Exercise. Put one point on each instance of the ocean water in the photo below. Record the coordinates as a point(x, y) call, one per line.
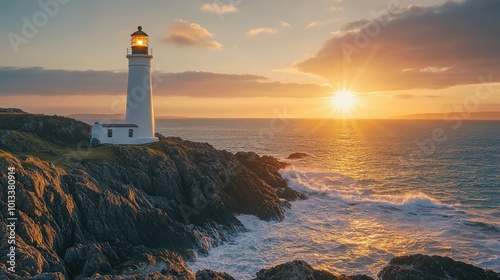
point(377, 189)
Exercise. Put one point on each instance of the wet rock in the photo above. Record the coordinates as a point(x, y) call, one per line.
point(422, 267)
point(207, 274)
point(290, 194)
point(298, 155)
point(267, 169)
point(300, 270)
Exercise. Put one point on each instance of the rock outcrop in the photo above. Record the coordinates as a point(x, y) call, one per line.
point(207, 274)
point(300, 270)
point(53, 129)
point(265, 168)
point(111, 210)
point(422, 267)
point(298, 155)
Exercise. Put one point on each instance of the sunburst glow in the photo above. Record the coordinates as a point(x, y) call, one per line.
point(344, 100)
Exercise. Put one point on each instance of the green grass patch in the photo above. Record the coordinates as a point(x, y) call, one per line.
point(58, 155)
point(72, 156)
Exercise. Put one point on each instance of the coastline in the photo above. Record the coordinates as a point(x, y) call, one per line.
point(112, 210)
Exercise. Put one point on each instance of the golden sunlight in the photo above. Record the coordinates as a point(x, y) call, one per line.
point(344, 100)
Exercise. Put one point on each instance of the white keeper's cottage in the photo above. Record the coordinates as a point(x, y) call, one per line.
point(140, 119)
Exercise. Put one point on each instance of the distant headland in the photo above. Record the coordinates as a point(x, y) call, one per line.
point(115, 116)
point(490, 115)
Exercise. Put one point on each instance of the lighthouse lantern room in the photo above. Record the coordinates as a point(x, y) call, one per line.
point(140, 42)
point(140, 122)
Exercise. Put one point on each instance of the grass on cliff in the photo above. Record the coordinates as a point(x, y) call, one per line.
point(20, 142)
point(72, 156)
point(160, 146)
point(58, 155)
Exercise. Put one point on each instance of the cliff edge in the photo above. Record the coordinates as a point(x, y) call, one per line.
point(114, 209)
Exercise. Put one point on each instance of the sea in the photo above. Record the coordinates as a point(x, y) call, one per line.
point(377, 189)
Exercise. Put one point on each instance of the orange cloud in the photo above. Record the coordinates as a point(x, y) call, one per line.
point(185, 34)
point(261, 30)
point(218, 9)
point(419, 48)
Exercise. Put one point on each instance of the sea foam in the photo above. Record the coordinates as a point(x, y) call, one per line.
point(339, 186)
point(347, 226)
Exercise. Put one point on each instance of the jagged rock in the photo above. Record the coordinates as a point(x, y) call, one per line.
point(60, 130)
point(86, 260)
point(265, 168)
point(49, 276)
point(12, 110)
point(207, 274)
point(422, 267)
point(151, 276)
point(301, 270)
point(178, 270)
point(290, 194)
point(112, 209)
point(298, 155)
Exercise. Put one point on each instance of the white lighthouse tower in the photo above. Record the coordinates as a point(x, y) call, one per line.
point(140, 120)
point(139, 93)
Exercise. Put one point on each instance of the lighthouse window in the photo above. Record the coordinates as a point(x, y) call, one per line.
point(130, 133)
point(110, 133)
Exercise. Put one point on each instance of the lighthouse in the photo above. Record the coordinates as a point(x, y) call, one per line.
point(139, 127)
point(139, 92)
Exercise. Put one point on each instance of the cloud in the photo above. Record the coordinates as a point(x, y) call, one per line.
point(355, 25)
point(312, 24)
point(45, 82)
point(284, 24)
point(418, 48)
point(184, 34)
point(320, 23)
point(216, 8)
point(336, 9)
point(262, 30)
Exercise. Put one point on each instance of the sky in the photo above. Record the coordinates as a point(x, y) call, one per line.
point(254, 58)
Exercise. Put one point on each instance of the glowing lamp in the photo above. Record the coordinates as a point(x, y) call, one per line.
point(140, 42)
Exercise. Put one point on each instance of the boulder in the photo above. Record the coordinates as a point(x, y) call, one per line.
point(423, 267)
point(207, 274)
point(301, 270)
point(298, 155)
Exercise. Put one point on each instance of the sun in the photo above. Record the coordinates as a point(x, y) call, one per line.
point(344, 100)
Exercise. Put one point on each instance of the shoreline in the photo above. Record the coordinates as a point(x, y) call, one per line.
point(110, 211)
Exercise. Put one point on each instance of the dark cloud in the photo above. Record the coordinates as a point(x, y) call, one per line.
point(39, 81)
point(418, 48)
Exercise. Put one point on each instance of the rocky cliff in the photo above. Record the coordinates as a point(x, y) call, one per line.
point(137, 212)
point(111, 209)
